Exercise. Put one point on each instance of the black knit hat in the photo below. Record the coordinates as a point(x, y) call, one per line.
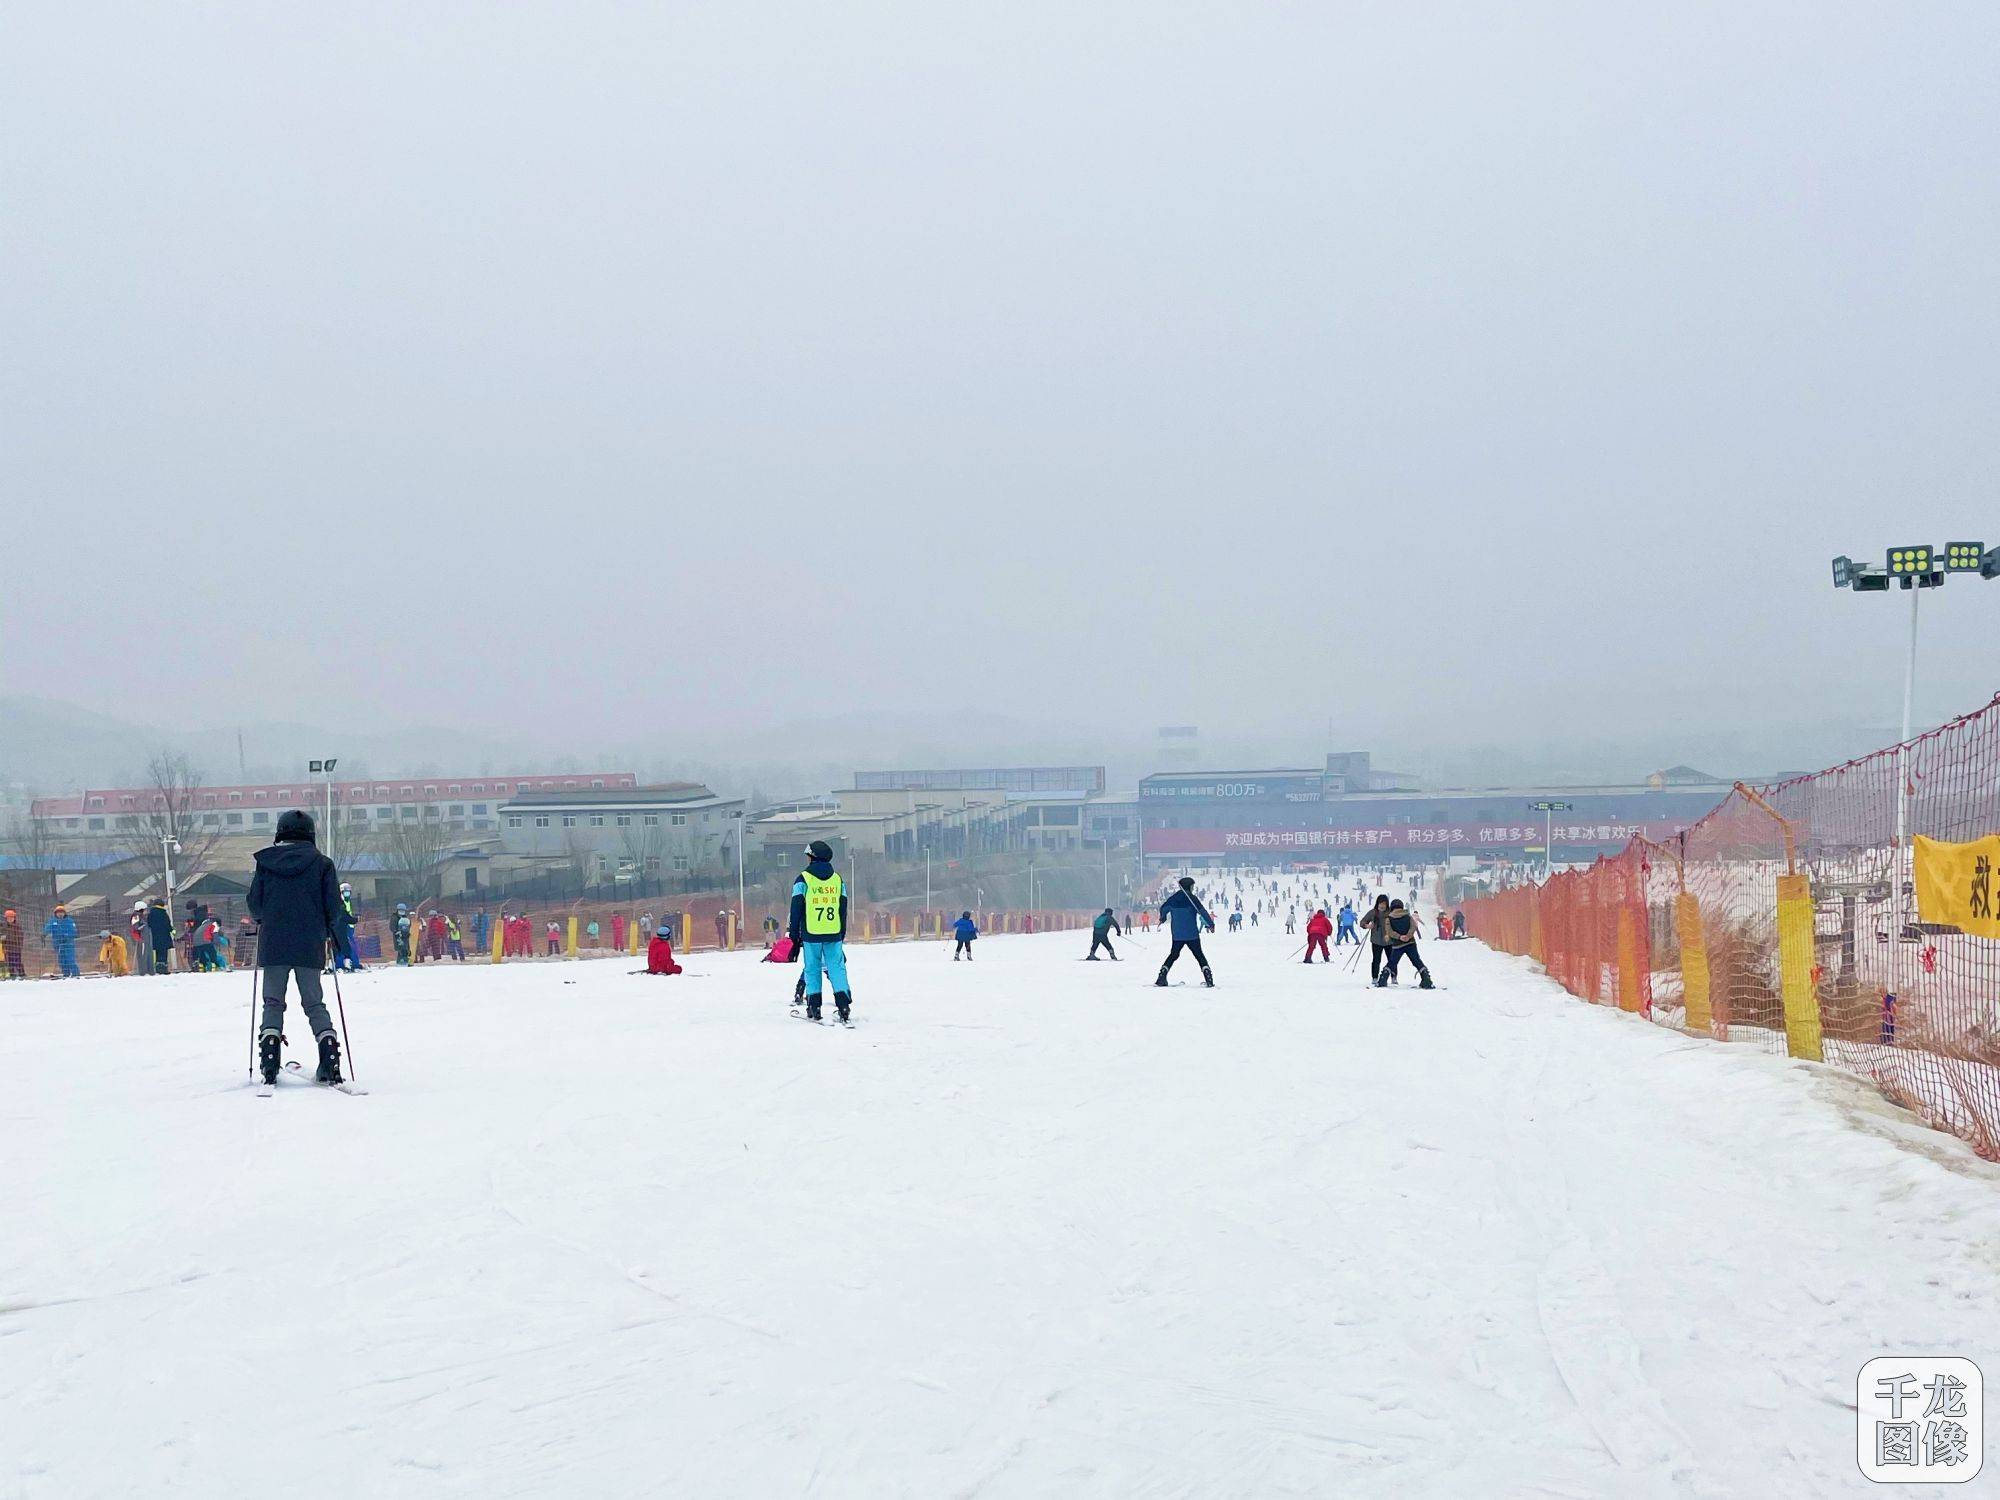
point(295, 827)
point(819, 849)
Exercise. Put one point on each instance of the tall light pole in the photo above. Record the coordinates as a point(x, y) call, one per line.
point(325, 768)
point(1914, 568)
point(742, 912)
point(169, 847)
point(1549, 811)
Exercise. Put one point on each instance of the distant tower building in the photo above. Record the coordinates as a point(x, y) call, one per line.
point(1179, 747)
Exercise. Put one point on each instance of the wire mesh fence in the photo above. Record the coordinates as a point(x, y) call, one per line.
point(1788, 919)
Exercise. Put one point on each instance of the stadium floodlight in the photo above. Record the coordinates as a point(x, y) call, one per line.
point(1915, 561)
point(1964, 557)
point(1843, 572)
point(1989, 565)
point(1869, 580)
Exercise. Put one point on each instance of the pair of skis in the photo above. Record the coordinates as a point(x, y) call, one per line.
point(293, 1073)
point(838, 1018)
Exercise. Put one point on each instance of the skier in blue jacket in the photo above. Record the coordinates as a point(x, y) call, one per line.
point(60, 930)
point(1186, 919)
point(965, 930)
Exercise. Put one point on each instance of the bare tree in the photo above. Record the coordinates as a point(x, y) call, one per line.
point(413, 849)
point(33, 843)
point(580, 853)
point(172, 812)
point(642, 849)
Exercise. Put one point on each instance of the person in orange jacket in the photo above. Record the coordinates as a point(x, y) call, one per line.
point(1319, 927)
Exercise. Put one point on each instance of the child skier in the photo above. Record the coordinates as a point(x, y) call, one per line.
point(1319, 927)
point(111, 953)
point(966, 931)
point(819, 922)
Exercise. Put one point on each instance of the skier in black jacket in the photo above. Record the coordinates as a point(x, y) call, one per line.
point(295, 898)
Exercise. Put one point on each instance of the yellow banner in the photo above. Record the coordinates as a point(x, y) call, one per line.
point(1955, 883)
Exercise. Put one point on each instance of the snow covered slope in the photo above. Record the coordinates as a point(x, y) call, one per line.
point(1033, 1229)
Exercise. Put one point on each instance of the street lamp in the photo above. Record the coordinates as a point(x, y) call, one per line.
point(1549, 810)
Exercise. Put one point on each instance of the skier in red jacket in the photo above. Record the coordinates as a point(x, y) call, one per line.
point(1319, 927)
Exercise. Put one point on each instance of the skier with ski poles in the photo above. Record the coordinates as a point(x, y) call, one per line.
point(294, 897)
point(1101, 928)
point(1186, 919)
point(819, 924)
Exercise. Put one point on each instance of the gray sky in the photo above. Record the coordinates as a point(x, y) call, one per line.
point(631, 371)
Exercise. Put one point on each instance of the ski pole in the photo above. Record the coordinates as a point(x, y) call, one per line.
point(341, 1006)
point(254, 973)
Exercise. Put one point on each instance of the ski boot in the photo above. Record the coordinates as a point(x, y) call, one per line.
point(841, 1001)
point(1427, 985)
point(1161, 982)
point(1207, 980)
point(268, 1044)
point(812, 1006)
point(329, 1059)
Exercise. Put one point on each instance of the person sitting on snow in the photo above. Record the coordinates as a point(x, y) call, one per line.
point(660, 954)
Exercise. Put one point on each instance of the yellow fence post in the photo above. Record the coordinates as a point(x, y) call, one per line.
point(499, 938)
point(1535, 948)
point(1694, 961)
point(687, 932)
point(572, 935)
point(1795, 965)
point(632, 935)
point(1628, 960)
point(732, 931)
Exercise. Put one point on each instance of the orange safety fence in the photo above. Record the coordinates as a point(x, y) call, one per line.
point(1787, 918)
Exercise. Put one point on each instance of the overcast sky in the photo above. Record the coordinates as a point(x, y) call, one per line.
point(622, 370)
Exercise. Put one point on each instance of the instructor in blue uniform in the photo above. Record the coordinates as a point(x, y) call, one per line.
point(819, 929)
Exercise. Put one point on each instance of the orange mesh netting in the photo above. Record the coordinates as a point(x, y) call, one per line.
point(1786, 918)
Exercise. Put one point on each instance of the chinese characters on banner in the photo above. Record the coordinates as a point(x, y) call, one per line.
point(1920, 1420)
point(1955, 883)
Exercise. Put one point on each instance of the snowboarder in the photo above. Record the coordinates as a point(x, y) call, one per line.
point(1186, 918)
point(294, 896)
point(966, 931)
point(60, 930)
point(1101, 928)
point(819, 922)
point(1319, 927)
point(1401, 928)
